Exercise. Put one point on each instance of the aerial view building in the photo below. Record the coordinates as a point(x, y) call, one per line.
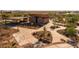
point(39, 29)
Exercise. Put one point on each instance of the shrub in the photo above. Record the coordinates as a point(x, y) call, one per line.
point(70, 31)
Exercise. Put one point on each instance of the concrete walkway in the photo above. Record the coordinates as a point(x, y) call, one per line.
point(25, 36)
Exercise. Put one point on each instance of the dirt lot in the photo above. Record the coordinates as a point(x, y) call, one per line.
point(6, 38)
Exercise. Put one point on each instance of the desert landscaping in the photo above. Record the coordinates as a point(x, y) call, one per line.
point(39, 29)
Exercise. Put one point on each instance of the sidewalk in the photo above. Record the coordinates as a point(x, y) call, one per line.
point(25, 36)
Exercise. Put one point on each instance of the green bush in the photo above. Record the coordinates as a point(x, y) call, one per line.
point(70, 31)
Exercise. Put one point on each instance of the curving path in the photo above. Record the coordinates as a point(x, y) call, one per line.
point(25, 36)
